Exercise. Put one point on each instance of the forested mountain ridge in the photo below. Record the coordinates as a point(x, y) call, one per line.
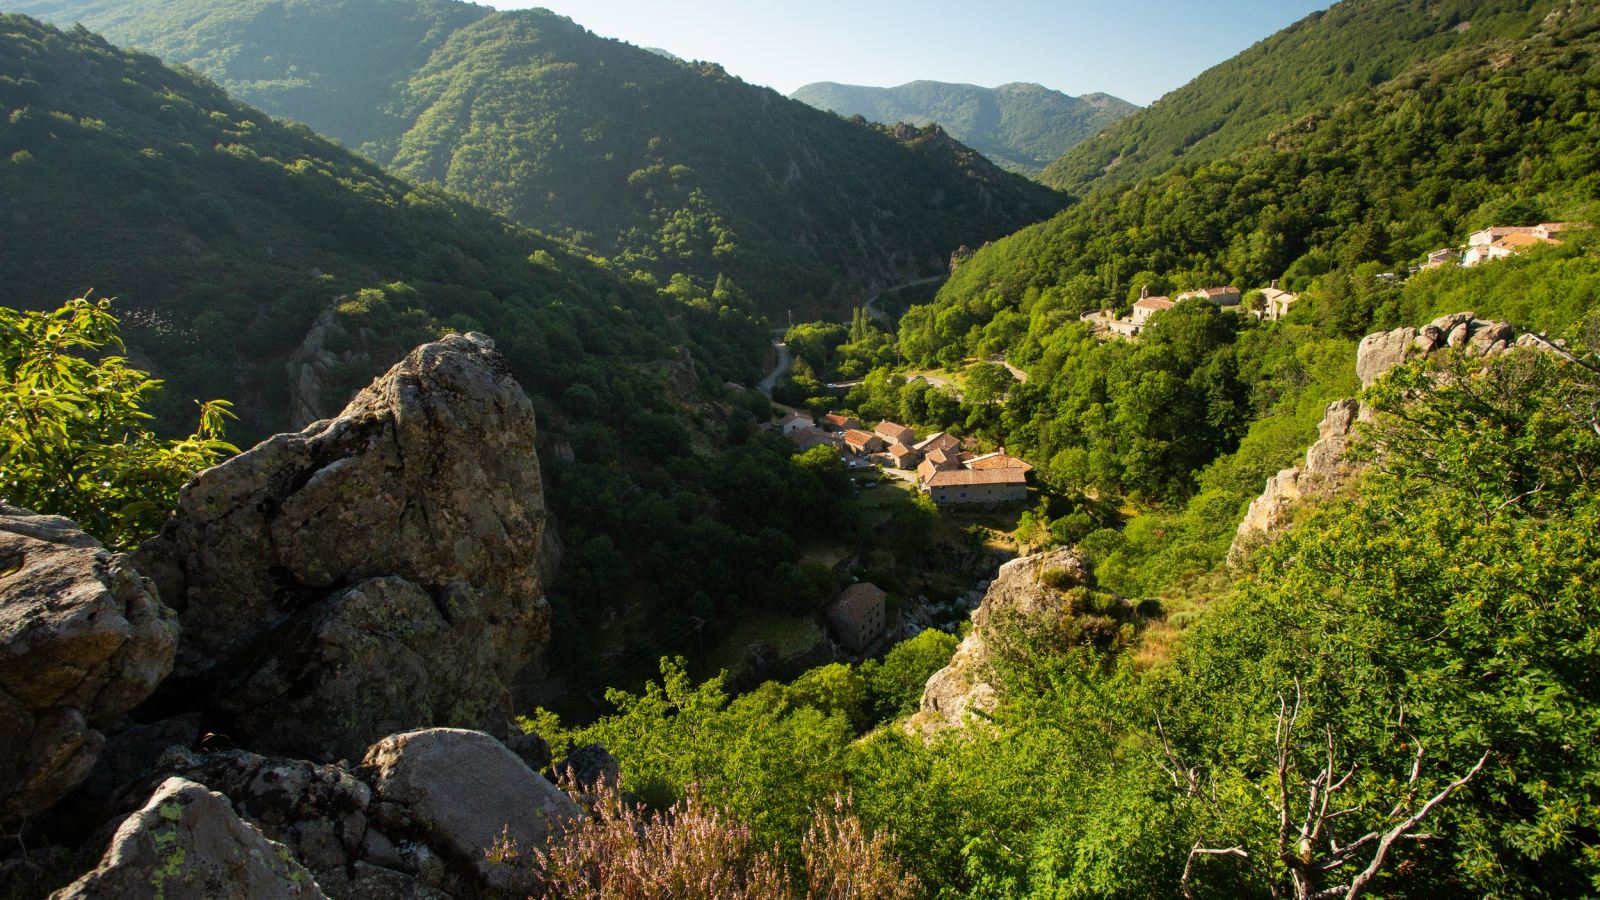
point(686, 168)
point(1322, 59)
point(225, 233)
point(336, 65)
point(1022, 127)
point(666, 166)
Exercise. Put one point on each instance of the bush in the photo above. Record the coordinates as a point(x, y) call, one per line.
point(72, 431)
point(695, 851)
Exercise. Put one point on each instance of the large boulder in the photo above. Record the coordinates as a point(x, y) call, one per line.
point(187, 843)
point(318, 813)
point(1462, 331)
point(83, 639)
point(1045, 587)
point(374, 572)
point(463, 791)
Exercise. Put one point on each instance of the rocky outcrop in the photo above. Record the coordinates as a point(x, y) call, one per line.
point(464, 792)
point(1326, 470)
point(83, 639)
point(374, 572)
point(188, 844)
point(1033, 587)
point(413, 822)
point(1464, 331)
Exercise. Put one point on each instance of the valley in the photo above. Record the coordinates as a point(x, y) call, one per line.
point(449, 454)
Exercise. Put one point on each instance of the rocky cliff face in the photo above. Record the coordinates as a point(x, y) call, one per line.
point(375, 572)
point(1021, 589)
point(1326, 470)
point(83, 639)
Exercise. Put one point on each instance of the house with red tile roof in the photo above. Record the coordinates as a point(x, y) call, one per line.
point(958, 486)
point(834, 422)
point(863, 442)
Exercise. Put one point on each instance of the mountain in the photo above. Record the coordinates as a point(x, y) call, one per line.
point(1353, 46)
point(1021, 127)
point(336, 65)
point(224, 234)
point(664, 166)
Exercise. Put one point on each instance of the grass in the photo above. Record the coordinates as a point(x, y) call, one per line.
point(786, 634)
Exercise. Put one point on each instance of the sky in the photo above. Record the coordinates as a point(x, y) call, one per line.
point(1134, 49)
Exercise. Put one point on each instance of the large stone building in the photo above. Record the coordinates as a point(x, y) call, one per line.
point(957, 486)
point(857, 616)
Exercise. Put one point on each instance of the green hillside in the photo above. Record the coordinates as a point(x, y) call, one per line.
point(1351, 47)
point(665, 166)
point(224, 233)
point(1022, 127)
point(336, 65)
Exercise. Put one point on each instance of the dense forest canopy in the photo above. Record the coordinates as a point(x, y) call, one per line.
point(1022, 127)
point(1329, 55)
point(667, 166)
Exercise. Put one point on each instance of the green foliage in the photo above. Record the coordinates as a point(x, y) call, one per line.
point(74, 440)
point(1350, 49)
point(661, 165)
point(897, 682)
point(1022, 127)
point(225, 233)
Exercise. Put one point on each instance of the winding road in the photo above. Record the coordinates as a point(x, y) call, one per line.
point(771, 381)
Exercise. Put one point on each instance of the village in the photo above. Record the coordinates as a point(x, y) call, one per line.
point(1272, 303)
point(939, 467)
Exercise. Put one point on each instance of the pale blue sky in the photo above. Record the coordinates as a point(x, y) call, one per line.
point(1135, 49)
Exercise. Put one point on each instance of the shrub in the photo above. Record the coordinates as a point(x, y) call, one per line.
point(695, 851)
point(73, 437)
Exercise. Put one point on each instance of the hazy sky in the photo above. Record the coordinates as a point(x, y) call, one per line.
point(1135, 49)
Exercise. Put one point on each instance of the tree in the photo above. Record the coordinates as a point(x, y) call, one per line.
point(73, 437)
point(988, 382)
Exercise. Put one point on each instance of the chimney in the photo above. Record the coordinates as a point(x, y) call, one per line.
point(1145, 293)
point(1274, 284)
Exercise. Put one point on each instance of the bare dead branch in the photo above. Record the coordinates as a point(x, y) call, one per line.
point(1198, 851)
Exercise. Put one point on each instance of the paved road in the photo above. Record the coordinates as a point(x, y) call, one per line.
point(872, 302)
point(1021, 376)
point(771, 380)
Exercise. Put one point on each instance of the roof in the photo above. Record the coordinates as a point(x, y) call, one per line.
point(810, 432)
point(857, 600)
point(1500, 231)
point(900, 451)
point(941, 457)
point(1272, 293)
point(937, 441)
point(835, 419)
point(857, 436)
point(1514, 241)
point(898, 433)
point(997, 461)
point(794, 416)
point(1153, 303)
point(964, 477)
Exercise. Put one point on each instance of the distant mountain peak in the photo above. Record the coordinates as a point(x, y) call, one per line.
point(1021, 126)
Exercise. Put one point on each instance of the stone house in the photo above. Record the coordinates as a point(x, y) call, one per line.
point(795, 421)
point(863, 442)
point(937, 441)
point(1145, 307)
point(1278, 302)
point(811, 436)
point(901, 456)
point(997, 460)
point(1221, 296)
point(893, 433)
point(834, 422)
point(959, 486)
point(857, 616)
